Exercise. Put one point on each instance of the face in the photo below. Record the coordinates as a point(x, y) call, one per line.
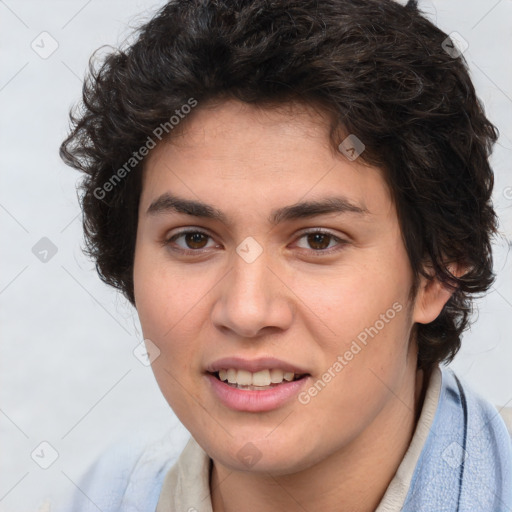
point(293, 260)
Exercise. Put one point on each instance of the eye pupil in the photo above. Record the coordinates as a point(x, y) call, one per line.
point(194, 240)
point(318, 239)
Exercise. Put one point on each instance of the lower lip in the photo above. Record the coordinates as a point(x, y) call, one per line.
point(255, 401)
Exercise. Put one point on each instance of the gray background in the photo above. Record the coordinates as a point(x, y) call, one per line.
point(68, 374)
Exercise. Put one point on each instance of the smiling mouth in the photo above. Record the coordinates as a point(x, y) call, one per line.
point(225, 377)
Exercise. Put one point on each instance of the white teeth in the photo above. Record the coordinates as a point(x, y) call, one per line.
point(232, 376)
point(244, 378)
point(276, 376)
point(263, 378)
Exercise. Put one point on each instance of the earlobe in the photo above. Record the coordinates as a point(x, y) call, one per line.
point(431, 297)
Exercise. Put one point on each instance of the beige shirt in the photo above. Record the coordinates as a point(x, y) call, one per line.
point(186, 487)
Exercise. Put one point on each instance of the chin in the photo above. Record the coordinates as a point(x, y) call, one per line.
point(274, 459)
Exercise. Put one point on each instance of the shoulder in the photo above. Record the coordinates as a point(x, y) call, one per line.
point(468, 453)
point(127, 477)
point(490, 412)
point(481, 413)
point(506, 415)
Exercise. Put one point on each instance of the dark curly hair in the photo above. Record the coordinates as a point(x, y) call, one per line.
point(380, 69)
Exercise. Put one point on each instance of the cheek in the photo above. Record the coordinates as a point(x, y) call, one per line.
point(364, 367)
point(353, 297)
point(164, 295)
point(166, 306)
point(360, 314)
point(167, 302)
point(172, 305)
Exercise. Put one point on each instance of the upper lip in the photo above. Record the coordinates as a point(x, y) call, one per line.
point(253, 365)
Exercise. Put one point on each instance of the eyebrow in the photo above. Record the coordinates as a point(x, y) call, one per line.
point(168, 203)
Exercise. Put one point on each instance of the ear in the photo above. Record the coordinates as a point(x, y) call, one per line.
point(432, 295)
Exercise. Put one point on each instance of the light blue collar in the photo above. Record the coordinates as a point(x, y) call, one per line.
point(466, 462)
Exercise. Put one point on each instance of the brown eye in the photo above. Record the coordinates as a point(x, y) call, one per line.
point(319, 241)
point(195, 240)
point(188, 241)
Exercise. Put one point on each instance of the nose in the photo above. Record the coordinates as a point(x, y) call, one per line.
point(253, 298)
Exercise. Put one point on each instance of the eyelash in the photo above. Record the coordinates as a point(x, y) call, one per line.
point(316, 252)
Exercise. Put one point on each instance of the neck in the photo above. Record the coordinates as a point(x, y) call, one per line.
point(339, 482)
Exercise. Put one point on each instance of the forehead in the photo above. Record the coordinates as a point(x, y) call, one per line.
point(236, 150)
point(250, 131)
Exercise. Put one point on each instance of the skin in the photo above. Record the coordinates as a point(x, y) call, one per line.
point(294, 302)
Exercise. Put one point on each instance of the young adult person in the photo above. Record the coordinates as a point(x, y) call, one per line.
point(296, 198)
